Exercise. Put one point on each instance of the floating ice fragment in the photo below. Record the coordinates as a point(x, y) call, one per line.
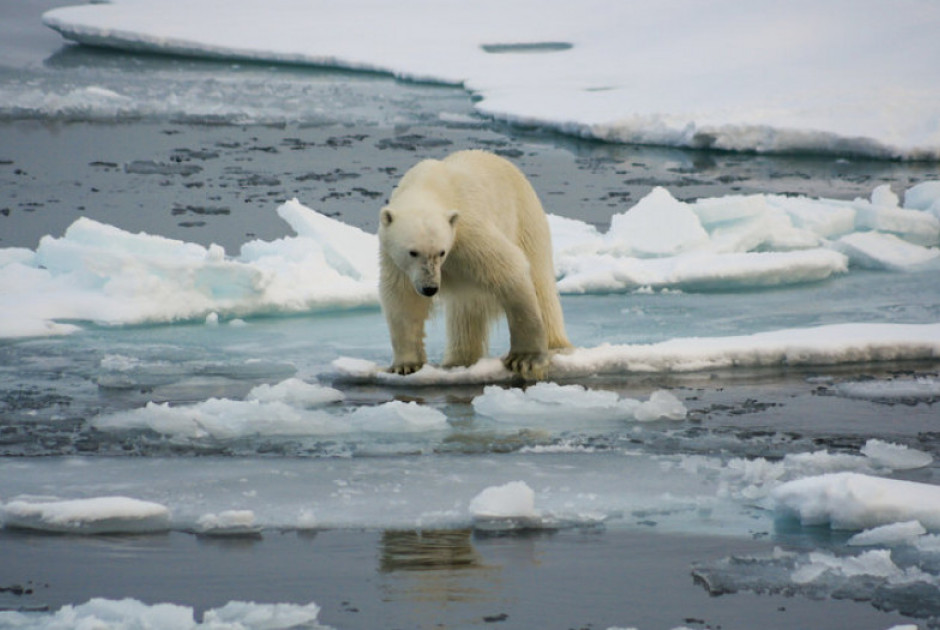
point(898, 390)
point(876, 563)
point(398, 417)
point(296, 393)
point(855, 501)
point(924, 196)
point(99, 515)
point(228, 523)
point(548, 402)
point(510, 506)
point(662, 405)
point(895, 456)
point(874, 250)
point(894, 534)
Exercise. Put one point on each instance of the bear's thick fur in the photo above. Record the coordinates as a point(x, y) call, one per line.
point(471, 228)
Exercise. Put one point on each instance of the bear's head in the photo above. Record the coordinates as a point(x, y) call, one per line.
point(418, 243)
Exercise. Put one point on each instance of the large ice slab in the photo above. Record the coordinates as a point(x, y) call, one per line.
point(772, 85)
point(822, 345)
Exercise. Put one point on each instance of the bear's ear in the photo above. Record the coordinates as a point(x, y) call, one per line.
point(452, 219)
point(385, 217)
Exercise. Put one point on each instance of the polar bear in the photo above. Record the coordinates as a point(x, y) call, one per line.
point(471, 228)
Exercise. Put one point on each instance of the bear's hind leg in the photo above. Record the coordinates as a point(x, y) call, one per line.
point(468, 327)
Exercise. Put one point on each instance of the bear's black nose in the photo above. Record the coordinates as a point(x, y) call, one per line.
point(428, 291)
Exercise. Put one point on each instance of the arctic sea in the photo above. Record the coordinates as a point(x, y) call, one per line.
point(196, 429)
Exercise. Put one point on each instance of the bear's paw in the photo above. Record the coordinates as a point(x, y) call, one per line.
point(531, 366)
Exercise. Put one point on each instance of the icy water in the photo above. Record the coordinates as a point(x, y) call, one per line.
point(756, 449)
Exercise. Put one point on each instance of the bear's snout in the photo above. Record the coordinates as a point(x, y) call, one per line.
point(429, 291)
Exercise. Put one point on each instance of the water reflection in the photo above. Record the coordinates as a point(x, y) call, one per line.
point(435, 571)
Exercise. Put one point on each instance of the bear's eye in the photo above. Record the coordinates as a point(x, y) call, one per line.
point(413, 254)
point(442, 253)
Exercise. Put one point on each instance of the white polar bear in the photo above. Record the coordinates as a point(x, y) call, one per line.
point(472, 228)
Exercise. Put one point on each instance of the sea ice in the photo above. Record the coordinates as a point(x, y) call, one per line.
point(550, 402)
point(228, 523)
point(506, 507)
point(662, 405)
point(98, 273)
point(296, 393)
point(895, 456)
point(855, 501)
point(893, 534)
point(751, 93)
point(290, 408)
point(131, 614)
point(898, 390)
point(98, 515)
point(822, 345)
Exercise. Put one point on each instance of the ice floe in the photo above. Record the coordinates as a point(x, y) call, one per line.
point(898, 390)
point(99, 273)
point(856, 501)
point(892, 534)
point(551, 403)
point(98, 515)
point(128, 614)
point(291, 408)
point(228, 523)
point(822, 345)
point(751, 93)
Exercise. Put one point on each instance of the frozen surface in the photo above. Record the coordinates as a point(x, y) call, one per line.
point(98, 273)
point(906, 390)
point(98, 515)
point(550, 403)
point(752, 93)
point(854, 501)
point(288, 409)
point(893, 534)
point(824, 345)
point(129, 614)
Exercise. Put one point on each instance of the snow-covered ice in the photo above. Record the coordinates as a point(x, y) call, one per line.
point(129, 614)
point(862, 80)
point(855, 501)
point(97, 515)
point(824, 345)
point(98, 273)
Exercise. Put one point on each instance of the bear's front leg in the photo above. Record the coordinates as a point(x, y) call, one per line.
point(528, 343)
point(405, 311)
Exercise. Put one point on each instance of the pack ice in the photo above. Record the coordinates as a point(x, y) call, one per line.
point(844, 86)
point(99, 273)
